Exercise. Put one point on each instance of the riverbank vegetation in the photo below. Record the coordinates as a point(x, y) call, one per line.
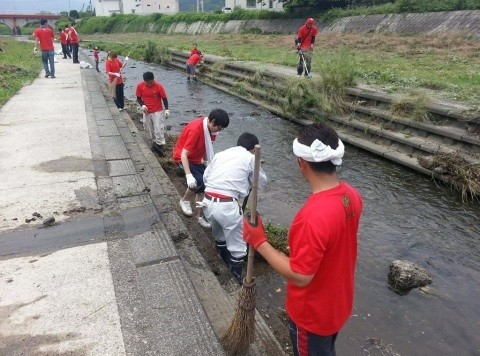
point(18, 67)
point(441, 66)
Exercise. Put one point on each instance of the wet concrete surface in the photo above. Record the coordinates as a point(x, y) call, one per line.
point(406, 216)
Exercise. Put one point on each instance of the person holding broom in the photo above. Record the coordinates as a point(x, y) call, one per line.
point(304, 42)
point(227, 179)
point(193, 151)
point(323, 246)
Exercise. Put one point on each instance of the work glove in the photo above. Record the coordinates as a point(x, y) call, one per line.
point(191, 181)
point(167, 113)
point(254, 235)
point(144, 108)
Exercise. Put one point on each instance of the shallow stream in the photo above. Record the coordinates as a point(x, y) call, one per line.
point(406, 216)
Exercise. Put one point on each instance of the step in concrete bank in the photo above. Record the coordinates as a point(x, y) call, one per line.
point(451, 128)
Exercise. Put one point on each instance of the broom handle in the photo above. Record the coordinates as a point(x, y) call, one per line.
point(253, 211)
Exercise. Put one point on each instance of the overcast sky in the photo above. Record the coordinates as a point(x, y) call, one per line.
point(33, 6)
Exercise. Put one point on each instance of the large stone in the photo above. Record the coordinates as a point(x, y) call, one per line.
point(405, 275)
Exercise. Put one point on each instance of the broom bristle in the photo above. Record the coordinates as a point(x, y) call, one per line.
point(240, 334)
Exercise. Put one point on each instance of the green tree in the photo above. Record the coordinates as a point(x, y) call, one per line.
point(74, 14)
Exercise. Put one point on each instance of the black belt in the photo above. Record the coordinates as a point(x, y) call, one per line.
point(219, 200)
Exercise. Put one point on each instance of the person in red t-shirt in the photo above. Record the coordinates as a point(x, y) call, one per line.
point(323, 246)
point(194, 50)
point(96, 58)
point(194, 150)
point(150, 95)
point(69, 41)
point(75, 40)
point(113, 67)
point(192, 62)
point(304, 42)
point(63, 41)
point(44, 39)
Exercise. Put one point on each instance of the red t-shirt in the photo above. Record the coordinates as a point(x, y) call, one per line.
point(194, 51)
point(151, 95)
point(323, 242)
point(95, 54)
point(45, 36)
point(193, 140)
point(73, 35)
point(114, 66)
point(67, 32)
point(305, 34)
point(194, 59)
point(63, 38)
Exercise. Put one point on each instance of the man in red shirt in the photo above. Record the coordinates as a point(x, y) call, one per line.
point(113, 68)
point(194, 150)
point(150, 95)
point(44, 39)
point(75, 40)
point(192, 63)
point(323, 246)
point(63, 42)
point(304, 42)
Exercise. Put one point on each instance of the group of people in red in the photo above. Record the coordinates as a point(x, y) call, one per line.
point(44, 37)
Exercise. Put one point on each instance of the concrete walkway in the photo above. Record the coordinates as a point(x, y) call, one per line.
point(118, 273)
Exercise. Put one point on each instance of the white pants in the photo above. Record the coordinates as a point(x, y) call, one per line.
point(154, 126)
point(227, 225)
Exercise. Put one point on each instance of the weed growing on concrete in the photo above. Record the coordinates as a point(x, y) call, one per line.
point(413, 106)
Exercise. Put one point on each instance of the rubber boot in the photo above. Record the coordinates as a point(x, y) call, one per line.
point(222, 249)
point(158, 148)
point(236, 267)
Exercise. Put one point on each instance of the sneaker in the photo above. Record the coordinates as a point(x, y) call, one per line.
point(52, 76)
point(299, 75)
point(157, 148)
point(47, 75)
point(204, 223)
point(186, 208)
point(121, 109)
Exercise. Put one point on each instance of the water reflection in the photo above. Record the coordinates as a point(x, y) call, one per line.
point(407, 216)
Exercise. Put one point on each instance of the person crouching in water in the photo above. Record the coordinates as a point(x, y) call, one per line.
point(196, 58)
point(228, 178)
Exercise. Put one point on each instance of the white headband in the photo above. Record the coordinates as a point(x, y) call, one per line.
point(319, 152)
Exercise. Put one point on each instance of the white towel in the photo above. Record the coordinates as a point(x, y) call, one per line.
point(208, 141)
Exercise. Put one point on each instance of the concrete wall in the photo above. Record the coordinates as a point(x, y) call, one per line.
point(427, 23)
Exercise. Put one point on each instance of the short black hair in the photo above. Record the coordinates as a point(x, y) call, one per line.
point(148, 76)
point(43, 21)
point(327, 135)
point(247, 140)
point(220, 116)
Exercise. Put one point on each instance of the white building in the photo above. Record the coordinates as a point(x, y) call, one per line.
point(140, 7)
point(271, 5)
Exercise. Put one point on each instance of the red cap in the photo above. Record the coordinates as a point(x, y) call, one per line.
point(310, 21)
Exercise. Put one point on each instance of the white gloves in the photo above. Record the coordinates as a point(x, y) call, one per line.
point(126, 59)
point(118, 75)
point(191, 181)
point(144, 108)
point(167, 113)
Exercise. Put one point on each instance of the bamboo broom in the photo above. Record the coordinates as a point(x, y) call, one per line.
point(240, 334)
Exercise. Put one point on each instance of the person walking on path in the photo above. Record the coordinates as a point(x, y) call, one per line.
point(113, 67)
point(96, 58)
point(227, 179)
point(75, 40)
point(150, 95)
point(44, 39)
point(304, 42)
point(323, 246)
point(194, 150)
point(63, 42)
point(192, 62)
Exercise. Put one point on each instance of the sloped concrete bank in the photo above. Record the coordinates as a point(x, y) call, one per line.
point(451, 129)
point(467, 22)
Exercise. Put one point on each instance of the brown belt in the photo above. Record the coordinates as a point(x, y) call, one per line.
point(219, 200)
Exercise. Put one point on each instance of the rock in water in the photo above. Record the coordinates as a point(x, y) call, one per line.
point(49, 222)
point(406, 275)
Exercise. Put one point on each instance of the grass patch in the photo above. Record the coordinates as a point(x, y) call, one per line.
point(413, 106)
point(277, 236)
point(18, 67)
point(464, 177)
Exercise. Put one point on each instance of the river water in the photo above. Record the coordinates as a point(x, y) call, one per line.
point(406, 216)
